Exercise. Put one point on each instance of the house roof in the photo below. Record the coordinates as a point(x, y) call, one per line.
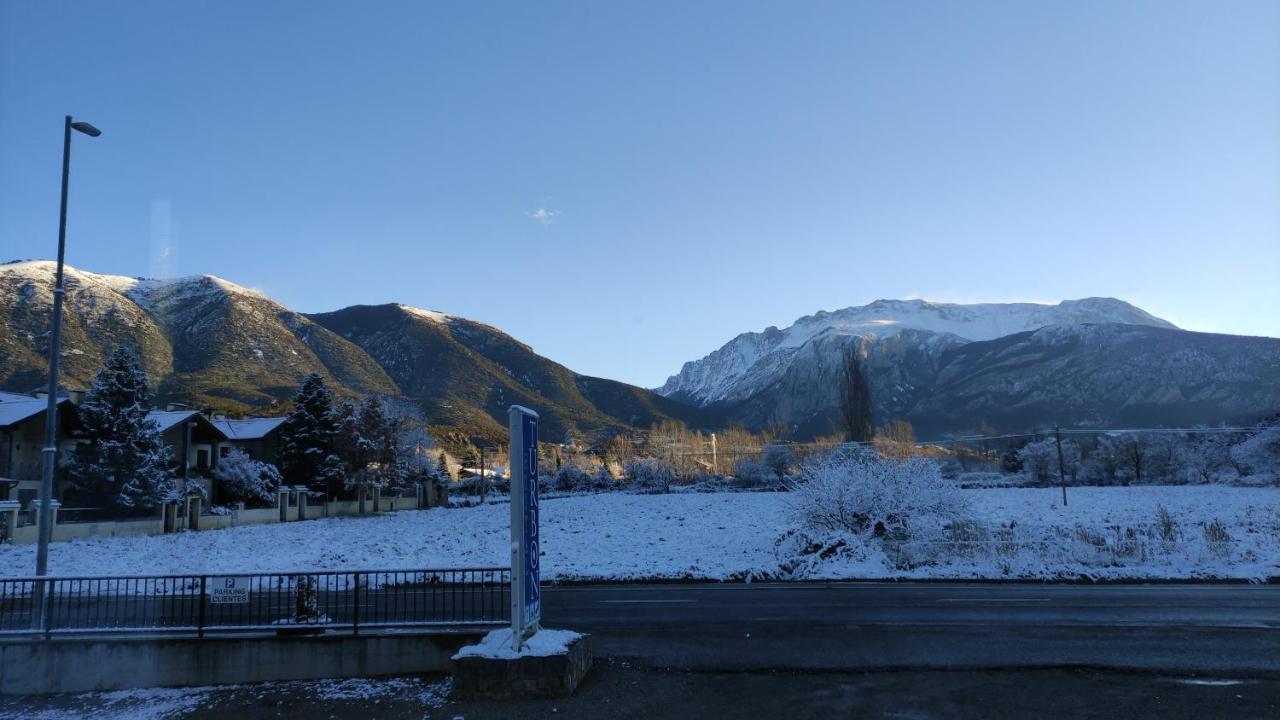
point(166, 419)
point(14, 397)
point(249, 428)
point(13, 412)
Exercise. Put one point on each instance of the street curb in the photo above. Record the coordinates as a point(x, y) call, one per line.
point(576, 582)
point(1172, 673)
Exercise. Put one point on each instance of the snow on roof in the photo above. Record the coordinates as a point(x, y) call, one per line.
point(248, 428)
point(14, 397)
point(15, 411)
point(166, 419)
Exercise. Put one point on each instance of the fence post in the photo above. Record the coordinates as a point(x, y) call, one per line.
point(355, 610)
point(200, 617)
point(46, 606)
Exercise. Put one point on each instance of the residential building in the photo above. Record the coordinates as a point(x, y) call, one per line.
point(196, 443)
point(22, 420)
point(258, 437)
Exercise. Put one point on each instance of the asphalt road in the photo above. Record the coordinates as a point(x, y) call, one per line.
point(1231, 630)
point(806, 650)
point(1213, 629)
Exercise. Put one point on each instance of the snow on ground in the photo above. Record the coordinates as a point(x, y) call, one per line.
point(729, 536)
point(367, 694)
point(140, 704)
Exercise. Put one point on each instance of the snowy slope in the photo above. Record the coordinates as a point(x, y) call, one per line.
point(753, 361)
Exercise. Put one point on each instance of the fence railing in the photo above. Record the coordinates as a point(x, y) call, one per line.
point(287, 602)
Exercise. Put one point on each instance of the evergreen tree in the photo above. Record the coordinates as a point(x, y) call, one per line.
point(125, 462)
point(368, 441)
point(855, 398)
point(308, 454)
point(442, 469)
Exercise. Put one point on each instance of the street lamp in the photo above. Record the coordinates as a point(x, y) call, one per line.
point(50, 453)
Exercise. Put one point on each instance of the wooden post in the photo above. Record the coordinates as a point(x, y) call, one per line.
point(1062, 473)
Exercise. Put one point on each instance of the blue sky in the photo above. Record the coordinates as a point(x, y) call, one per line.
point(627, 186)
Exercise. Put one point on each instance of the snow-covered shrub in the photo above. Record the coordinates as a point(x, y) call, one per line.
point(243, 479)
point(806, 555)
point(779, 459)
point(710, 484)
point(1166, 523)
point(1040, 461)
point(571, 478)
point(987, 480)
point(749, 474)
point(857, 493)
point(1258, 457)
point(650, 474)
point(1216, 532)
point(602, 478)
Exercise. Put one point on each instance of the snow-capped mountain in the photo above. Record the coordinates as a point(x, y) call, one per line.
point(953, 368)
point(752, 361)
point(212, 343)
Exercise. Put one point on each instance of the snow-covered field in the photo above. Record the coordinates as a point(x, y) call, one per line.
point(1105, 532)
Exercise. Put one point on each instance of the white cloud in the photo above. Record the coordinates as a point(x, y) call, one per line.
point(546, 216)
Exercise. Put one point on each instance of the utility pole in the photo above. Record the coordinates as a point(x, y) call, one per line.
point(50, 451)
point(1062, 473)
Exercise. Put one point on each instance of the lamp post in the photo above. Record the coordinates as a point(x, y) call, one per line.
point(50, 453)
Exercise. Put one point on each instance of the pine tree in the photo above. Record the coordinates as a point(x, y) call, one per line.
point(125, 462)
point(308, 455)
point(368, 441)
point(442, 469)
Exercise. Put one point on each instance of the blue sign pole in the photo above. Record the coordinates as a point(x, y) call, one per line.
point(526, 590)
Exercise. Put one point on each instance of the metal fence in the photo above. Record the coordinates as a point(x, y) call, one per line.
point(287, 602)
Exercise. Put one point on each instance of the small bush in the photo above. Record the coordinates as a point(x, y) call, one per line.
point(571, 478)
point(1216, 533)
point(650, 474)
point(749, 474)
point(778, 459)
point(1167, 525)
point(243, 479)
point(856, 492)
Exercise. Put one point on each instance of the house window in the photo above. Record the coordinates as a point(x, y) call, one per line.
point(202, 459)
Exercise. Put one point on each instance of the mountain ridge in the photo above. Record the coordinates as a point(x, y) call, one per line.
point(950, 368)
point(209, 342)
point(717, 376)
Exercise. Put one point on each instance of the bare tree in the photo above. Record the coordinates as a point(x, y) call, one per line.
point(855, 398)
